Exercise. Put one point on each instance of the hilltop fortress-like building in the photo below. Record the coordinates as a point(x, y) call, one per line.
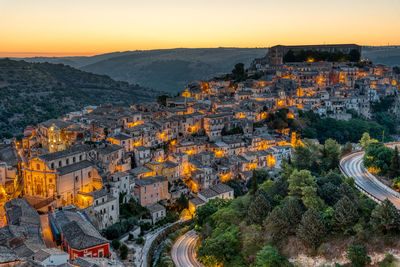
point(277, 53)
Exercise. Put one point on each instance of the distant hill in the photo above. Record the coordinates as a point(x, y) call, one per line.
point(34, 92)
point(171, 69)
point(387, 55)
point(165, 69)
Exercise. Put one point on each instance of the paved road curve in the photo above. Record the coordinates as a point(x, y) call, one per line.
point(351, 166)
point(183, 251)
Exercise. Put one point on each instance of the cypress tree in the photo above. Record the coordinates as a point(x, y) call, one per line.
point(394, 168)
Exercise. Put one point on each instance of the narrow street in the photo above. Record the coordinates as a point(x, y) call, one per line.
point(46, 232)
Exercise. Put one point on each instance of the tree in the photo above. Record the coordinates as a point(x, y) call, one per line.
point(277, 224)
point(346, 189)
point(378, 156)
point(345, 214)
point(385, 218)
point(124, 252)
point(270, 257)
point(298, 180)
point(329, 192)
point(302, 158)
point(278, 191)
point(354, 55)
point(162, 100)
point(182, 202)
point(205, 211)
point(358, 256)
point(239, 73)
point(223, 246)
point(311, 229)
point(394, 168)
point(293, 210)
point(116, 244)
point(311, 199)
point(366, 140)
point(252, 241)
point(331, 152)
point(237, 188)
point(346, 149)
point(259, 208)
point(253, 184)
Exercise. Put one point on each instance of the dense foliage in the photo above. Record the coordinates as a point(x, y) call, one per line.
point(311, 55)
point(313, 126)
point(35, 92)
point(309, 202)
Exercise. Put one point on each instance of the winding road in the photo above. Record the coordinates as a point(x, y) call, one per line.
point(183, 251)
point(351, 166)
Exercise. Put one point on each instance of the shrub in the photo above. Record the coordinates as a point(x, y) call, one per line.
point(124, 252)
point(139, 241)
point(116, 244)
point(358, 256)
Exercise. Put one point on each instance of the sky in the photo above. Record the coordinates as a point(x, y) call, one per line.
point(88, 27)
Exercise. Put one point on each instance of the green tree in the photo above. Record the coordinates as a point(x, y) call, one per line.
point(259, 208)
point(253, 184)
point(358, 256)
point(298, 180)
point(302, 158)
point(162, 100)
point(293, 210)
point(277, 224)
point(347, 148)
point(378, 156)
point(311, 229)
point(345, 214)
point(123, 252)
point(329, 192)
point(385, 218)
point(366, 140)
point(222, 247)
point(394, 168)
point(239, 73)
point(311, 199)
point(204, 212)
point(346, 189)
point(270, 257)
point(116, 244)
point(331, 152)
point(252, 240)
point(354, 55)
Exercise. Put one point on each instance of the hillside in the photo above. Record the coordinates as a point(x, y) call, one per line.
point(34, 92)
point(388, 55)
point(164, 69)
point(171, 69)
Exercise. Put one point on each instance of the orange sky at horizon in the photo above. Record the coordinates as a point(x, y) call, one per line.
point(89, 27)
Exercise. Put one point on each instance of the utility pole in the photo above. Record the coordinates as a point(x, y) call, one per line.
point(383, 136)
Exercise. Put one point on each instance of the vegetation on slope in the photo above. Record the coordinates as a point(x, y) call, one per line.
point(311, 125)
point(34, 92)
point(309, 209)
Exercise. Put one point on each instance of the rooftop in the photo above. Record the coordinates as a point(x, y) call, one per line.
point(74, 167)
point(150, 180)
point(155, 207)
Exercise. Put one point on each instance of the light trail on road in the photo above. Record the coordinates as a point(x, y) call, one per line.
point(351, 166)
point(183, 251)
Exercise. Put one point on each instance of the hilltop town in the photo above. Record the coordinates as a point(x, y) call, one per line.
point(83, 170)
